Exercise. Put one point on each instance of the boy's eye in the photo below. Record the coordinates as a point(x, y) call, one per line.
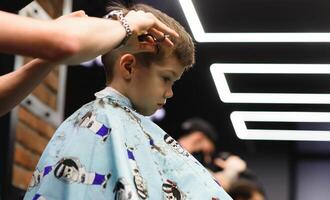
point(166, 79)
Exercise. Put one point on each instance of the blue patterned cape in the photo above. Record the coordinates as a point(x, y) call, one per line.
point(106, 150)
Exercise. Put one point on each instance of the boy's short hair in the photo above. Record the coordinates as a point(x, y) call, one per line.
point(183, 49)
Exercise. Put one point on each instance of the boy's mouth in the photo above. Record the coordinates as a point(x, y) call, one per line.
point(160, 105)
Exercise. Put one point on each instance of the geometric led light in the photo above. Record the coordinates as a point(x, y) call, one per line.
point(200, 35)
point(238, 119)
point(219, 70)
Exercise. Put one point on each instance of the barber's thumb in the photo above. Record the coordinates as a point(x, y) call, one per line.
point(79, 13)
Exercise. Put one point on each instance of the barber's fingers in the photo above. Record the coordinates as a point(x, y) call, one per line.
point(142, 22)
point(162, 27)
point(135, 45)
point(161, 37)
point(147, 45)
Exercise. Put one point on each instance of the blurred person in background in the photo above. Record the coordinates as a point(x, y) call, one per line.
point(244, 189)
point(200, 139)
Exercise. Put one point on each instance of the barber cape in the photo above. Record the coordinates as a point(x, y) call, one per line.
point(106, 150)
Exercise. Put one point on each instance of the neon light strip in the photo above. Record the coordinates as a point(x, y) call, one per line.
point(218, 73)
point(200, 35)
point(238, 119)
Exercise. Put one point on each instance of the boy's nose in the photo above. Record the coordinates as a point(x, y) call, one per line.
point(169, 93)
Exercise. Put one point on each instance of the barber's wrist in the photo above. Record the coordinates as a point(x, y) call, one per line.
point(119, 16)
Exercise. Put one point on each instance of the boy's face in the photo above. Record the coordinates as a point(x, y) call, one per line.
point(152, 86)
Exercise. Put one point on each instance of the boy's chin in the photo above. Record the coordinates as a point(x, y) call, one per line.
point(146, 112)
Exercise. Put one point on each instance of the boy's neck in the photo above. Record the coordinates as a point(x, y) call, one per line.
point(121, 90)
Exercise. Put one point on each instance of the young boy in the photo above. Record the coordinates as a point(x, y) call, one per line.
point(108, 149)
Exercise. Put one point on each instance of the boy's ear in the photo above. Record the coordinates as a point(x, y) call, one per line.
point(127, 64)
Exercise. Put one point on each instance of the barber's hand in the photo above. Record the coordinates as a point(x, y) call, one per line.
point(233, 163)
point(146, 23)
point(231, 166)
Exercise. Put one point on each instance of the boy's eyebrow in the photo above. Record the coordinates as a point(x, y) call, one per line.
point(173, 72)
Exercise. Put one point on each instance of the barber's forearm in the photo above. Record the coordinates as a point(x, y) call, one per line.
point(94, 37)
point(34, 38)
point(15, 86)
point(71, 40)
